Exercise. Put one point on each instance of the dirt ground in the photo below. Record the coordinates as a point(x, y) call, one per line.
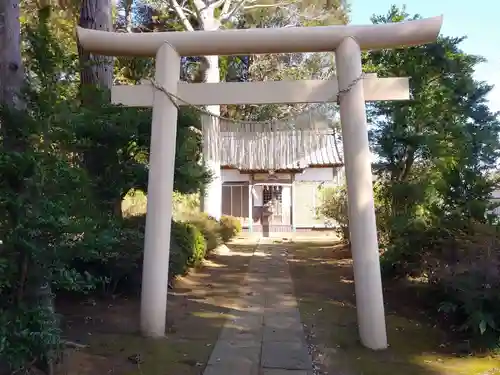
point(324, 285)
point(197, 307)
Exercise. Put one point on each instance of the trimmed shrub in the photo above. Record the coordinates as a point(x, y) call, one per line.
point(187, 248)
point(199, 245)
point(112, 258)
point(230, 226)
point(210, 228)
point(191, 242)
point(179, 250)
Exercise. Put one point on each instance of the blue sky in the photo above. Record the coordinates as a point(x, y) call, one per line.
point(477, 20)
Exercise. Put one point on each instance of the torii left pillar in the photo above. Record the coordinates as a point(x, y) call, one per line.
point(160, 185)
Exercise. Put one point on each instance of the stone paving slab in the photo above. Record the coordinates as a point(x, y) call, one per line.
point(235, 351)
point(238, 334)
point(285, 355)
point(282, 335)
point(266, 336)
point(245, 327)
point(233, 369)
point(283, 321)
point(273, 371)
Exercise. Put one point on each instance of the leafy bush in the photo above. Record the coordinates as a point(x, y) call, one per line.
point(65, 168)
point(180, 243)
point(465, 271)
point(210, 228)
point(460, 261)
point(334, 206)
point(229, 227)
point(112, 254)
point(27, 334)
point(42, 202)
point(400, 257)
point(112, 257)
point(191, 242)
point(178, 261)
point(470, 299)
point(199, 245)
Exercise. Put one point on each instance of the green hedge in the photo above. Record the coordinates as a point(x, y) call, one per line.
point(210, 228)
point(230, 227)
point(107, 259)
point(187, 248)
point(112, 256)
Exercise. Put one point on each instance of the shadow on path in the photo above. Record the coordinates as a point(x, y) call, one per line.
point(267, 337)
point(324, 287)
point(197, 308)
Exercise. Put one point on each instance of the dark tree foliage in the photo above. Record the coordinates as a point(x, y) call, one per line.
point(65, 167)
point(436, 157)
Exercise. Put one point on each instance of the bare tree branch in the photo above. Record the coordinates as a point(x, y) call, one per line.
point(225, 8)
point(196, 10)
point(237, 6)
point(199, 5)
point(241, 6)
point(257, 6)
point(189, 11)
point(182, 15)
point(217, 4)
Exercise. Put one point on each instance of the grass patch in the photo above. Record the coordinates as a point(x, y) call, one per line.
point(323, 279)
point(153, 356)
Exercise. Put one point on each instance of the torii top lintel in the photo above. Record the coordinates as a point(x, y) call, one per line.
point(263, 40)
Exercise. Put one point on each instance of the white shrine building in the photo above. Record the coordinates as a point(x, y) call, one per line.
point(282, 169)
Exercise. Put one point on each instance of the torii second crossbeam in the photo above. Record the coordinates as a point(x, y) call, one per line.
point(269, 92)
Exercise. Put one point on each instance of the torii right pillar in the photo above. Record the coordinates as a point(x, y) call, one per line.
point(361, 207)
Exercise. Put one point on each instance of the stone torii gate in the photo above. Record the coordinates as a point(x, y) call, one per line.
point(347, 42)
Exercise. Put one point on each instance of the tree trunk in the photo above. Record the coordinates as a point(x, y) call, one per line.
point(11, 76)
point(212, 198)
point(11, 68)
point(128, 16)
point(34, 288)
point(96, 71)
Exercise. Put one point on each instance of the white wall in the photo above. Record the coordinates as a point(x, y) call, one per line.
point(233, 175)
point(330, 174)
point(334, 175)
point(307, 196)
point(315, 174)
point(495, 198)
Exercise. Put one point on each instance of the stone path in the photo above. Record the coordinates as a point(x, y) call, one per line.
point(266, 336)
